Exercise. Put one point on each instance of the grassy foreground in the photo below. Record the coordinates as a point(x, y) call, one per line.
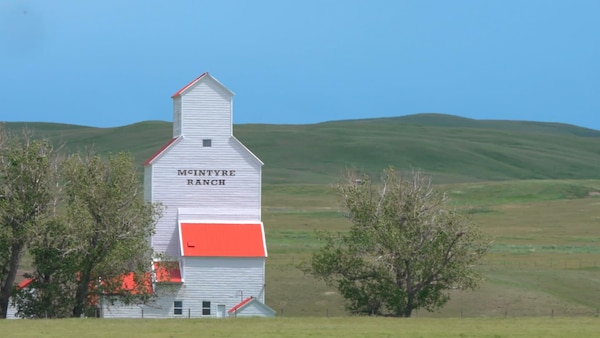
point(305, 327)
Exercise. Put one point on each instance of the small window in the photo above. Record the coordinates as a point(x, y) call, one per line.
point(205, 308)
point(178, 307)
point(207, 142)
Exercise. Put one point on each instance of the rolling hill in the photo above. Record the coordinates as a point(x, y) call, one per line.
point(451, 148)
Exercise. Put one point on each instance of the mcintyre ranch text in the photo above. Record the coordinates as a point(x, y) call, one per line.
point(206, 176)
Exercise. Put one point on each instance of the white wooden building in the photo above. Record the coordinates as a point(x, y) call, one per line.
point(210, 186)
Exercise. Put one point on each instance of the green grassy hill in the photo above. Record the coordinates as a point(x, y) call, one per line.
point(450, 148)
point(538, 204)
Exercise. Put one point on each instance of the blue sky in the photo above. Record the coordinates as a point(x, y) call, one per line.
point(110, 63)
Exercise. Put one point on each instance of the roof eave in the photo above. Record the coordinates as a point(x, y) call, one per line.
point(190, 85)
point(162, 150)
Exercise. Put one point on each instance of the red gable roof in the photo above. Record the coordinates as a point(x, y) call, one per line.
point(240, 305)
point(189, 85)
point(222, 239)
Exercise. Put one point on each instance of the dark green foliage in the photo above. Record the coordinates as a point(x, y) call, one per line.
point(54, 279)
point(111, 224)
point(27, 186)
point(82, 255)
point(405, 249)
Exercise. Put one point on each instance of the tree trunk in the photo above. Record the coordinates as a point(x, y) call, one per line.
point(410, 292)
point(82, 294)
point(7, 285)
point(407, 311)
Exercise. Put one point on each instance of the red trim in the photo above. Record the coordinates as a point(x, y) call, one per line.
point(222, 240)
point(24, 283)
point(157, 153)
point(188, 85)
point(238, 306)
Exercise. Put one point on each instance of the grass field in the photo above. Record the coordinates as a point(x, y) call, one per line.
point(306, 327)
point(544, 258)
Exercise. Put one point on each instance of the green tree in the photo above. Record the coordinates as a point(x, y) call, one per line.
point(28, 170)
point(82, 256)
point(405, 250)
point(50, 294)
point(111, 225)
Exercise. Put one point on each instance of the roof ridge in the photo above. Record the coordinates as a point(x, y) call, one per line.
point(177, 93)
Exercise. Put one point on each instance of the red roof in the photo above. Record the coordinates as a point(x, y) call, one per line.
point(24, 283)
point(222, 239)
point(129, 284)
point(160, 151)
point(167, 272)
point(189, 85)
point(240, 305)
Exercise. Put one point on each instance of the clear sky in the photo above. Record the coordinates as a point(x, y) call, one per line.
point(110, 63)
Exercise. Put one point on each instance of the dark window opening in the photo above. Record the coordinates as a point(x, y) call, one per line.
point(178, 307)
point(205, 308)
point(207, 142)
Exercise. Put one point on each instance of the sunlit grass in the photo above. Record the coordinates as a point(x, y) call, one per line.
point(308, 327)
point(546, 235)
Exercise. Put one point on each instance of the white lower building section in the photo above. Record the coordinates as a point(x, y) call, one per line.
point(211, 288)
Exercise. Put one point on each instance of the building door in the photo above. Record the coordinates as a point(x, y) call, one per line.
point(221, 311)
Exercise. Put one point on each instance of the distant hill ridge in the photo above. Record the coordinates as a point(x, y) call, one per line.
point(445, 120)
point(451, 148)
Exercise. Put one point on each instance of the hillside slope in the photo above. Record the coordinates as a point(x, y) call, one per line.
point(451, 148)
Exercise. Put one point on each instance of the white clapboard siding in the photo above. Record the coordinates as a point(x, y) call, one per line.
point(11, 311)
point(206, 110)
point(148, 183)
point(177, 129)
point(252, 309)
point(221, 197)
point(222, 280)
point(217, 183)
point(158, 307)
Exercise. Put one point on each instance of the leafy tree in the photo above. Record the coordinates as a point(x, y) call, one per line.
point(111, 225)
point(83, 256)
point(405, 250)
point(53, 281)
point(28, 170)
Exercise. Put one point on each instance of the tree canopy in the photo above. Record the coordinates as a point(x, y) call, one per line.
point(28, 185)
point(406, 247)
point(82, 220)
